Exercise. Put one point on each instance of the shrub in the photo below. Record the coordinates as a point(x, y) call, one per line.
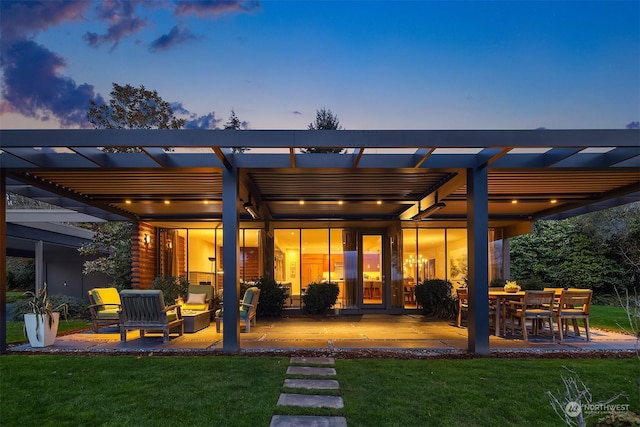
point(320, 297)
point(272, 298)
point(171, 287)
point(435, 297)
point(77, 308)
point(531, 284)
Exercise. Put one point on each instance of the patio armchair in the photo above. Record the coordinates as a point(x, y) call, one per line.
point(536, 306)
point(248, 308)
point(104, 304)
point(574, 304)
point(144, 310)
point(199, 298)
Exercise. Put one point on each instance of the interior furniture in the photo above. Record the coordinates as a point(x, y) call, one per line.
point(536, 306)
point(248, 308)
point(144, 310)
point(104, 304)
point(574, 304)
point(195, 321)
point(199, 298)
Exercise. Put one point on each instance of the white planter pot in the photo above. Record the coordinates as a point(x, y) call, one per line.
point(39, 332)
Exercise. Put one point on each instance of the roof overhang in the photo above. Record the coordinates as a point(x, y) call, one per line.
point(381, 175)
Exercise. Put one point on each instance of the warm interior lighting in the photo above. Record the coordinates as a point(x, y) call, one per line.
point(340, 202)
point(302, 202)
point(428, 211)
point(513, 202)
point(146, 239)
point(167, 202)
point(128, 202)
point(206, 202)
point(554, 201)
point(379, 202)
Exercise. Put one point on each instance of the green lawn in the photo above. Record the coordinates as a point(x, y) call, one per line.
point(110, 390)
point(611, 318)
point(15, 329)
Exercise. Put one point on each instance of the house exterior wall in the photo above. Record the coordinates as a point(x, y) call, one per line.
point(144, 263)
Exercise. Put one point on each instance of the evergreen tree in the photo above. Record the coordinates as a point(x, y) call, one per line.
point(325, 120)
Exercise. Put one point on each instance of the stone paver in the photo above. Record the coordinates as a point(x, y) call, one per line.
point(307, 421)
point(313, 360)
point(310, 370)
point(310, 401)
point(312, 384)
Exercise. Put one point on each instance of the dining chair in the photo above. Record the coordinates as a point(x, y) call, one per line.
point(463, 303)
point(574, 304)
point(536, 306)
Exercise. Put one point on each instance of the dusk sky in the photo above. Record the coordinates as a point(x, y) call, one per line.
point(376, 64)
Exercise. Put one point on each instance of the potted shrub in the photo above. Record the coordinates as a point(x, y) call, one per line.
point(320, 297)
point(41, 322)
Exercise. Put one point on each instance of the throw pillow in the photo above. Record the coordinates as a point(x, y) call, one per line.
point(196, 298)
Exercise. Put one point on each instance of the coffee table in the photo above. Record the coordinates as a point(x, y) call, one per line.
point(195, 321)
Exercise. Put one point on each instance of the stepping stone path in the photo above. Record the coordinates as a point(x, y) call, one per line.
point(310, 400)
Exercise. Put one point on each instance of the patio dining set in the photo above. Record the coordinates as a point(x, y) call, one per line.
point(521, 311)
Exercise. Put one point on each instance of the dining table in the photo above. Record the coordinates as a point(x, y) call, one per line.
point(501, 298)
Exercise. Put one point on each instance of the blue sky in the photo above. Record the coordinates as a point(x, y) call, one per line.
point(376, 64)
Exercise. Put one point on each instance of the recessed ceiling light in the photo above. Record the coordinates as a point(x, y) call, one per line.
point(128, 202)
point(167, 202)
point(340, 202)
point(206, 202)
point(302, 202)
point(514, 201)
point(379, 202)
point(554, 201)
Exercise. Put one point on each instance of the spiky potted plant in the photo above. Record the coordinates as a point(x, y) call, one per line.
point(41, 324)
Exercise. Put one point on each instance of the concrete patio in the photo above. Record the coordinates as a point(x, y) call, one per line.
point(382, 333)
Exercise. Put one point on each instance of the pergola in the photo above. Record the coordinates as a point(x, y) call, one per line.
point(480, 179)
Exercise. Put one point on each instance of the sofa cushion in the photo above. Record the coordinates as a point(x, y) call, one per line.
point(196, 299)
point(105, 296)
point(108, 313)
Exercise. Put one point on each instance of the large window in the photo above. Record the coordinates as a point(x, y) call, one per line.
point(306, 256)
point(196, 254)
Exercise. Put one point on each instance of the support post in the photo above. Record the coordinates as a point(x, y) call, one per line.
point(3, 260)
point(478, 259)
point(230, 261)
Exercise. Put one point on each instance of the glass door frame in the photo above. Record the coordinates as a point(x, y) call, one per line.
point(384, 273)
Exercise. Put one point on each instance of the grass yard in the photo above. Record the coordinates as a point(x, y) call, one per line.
point(611, 318)
point(110, 390)
point(15, 329)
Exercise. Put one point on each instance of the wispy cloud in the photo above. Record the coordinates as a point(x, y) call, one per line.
point(296, 112)
point(122, 20)
point(33, 86)
point(215, 8)
point(176, 36)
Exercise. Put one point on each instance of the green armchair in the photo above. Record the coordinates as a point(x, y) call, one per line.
point(248, 308)
point(104, 304)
